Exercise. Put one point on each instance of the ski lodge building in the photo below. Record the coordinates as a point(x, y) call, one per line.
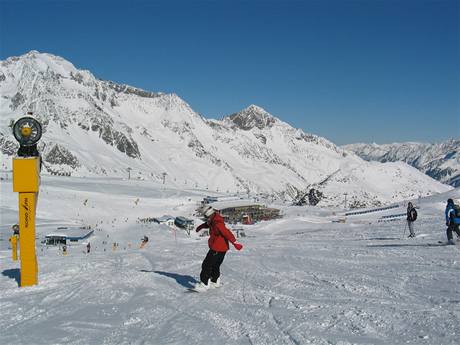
point(244, 211)
point(71, 234)
point(166, 219)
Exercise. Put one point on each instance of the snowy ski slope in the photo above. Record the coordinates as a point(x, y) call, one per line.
point(301, 279)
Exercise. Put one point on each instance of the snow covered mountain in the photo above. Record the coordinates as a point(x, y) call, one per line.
point(440, 161)
point(95, 127)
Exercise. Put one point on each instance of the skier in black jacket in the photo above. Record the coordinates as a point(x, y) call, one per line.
point(411, 217)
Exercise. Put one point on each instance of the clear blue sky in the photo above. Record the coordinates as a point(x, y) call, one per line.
point(351, 71)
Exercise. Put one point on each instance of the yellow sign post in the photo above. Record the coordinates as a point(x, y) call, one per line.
point(26, 181)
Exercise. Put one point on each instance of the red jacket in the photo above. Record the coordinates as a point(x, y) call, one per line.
point(219, 235)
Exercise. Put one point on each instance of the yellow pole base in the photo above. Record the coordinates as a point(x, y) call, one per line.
point(29, 267)
point(14, 247)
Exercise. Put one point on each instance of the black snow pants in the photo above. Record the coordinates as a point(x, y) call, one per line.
point(210, 269)
point(452, 227)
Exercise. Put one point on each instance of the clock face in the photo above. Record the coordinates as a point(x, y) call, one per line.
point(27, 131)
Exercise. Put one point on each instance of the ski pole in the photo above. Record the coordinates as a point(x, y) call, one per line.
point(404, 233)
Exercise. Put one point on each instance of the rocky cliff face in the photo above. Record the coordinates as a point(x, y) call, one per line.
point(440, 161)
point(95, 127)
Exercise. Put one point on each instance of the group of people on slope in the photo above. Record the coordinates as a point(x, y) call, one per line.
point(452, 214)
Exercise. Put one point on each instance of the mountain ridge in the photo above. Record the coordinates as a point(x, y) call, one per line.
point(440, 161)
point(95, 127)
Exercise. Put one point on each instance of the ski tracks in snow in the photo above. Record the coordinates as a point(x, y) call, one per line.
point(316, 285)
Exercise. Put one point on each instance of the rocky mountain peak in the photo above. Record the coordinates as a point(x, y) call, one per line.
point(255, 109)
point(250, 117)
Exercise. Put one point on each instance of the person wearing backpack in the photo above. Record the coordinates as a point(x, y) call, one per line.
point(452, 220)
point(411, 217)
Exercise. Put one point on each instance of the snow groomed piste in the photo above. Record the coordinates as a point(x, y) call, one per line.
point(301, 279)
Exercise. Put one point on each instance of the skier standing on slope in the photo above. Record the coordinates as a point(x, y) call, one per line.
point(219, 236)
point(411, 217)
point(452, 220)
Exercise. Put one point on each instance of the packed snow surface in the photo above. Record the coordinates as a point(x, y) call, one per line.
point(302, 279)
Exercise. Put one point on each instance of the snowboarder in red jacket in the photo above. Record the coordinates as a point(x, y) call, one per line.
point(219, 236)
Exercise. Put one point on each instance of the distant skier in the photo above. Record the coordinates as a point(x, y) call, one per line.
point(144, 241)
point(88, 248)
point(411, 217)
point(15, 229)
point(452, 220)
point(219, 236)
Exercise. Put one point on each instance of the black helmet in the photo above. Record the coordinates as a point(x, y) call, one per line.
point(450, 201)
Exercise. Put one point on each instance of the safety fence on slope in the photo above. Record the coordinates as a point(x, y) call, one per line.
point(355, 213)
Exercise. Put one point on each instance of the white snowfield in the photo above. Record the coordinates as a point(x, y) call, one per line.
point(301, 279)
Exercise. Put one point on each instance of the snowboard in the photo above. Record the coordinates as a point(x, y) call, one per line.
point(201, 291)
point(193, 290)
point(198, 291)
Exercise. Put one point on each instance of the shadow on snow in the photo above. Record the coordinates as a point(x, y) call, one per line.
point(184, 280)
point(13, 273)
